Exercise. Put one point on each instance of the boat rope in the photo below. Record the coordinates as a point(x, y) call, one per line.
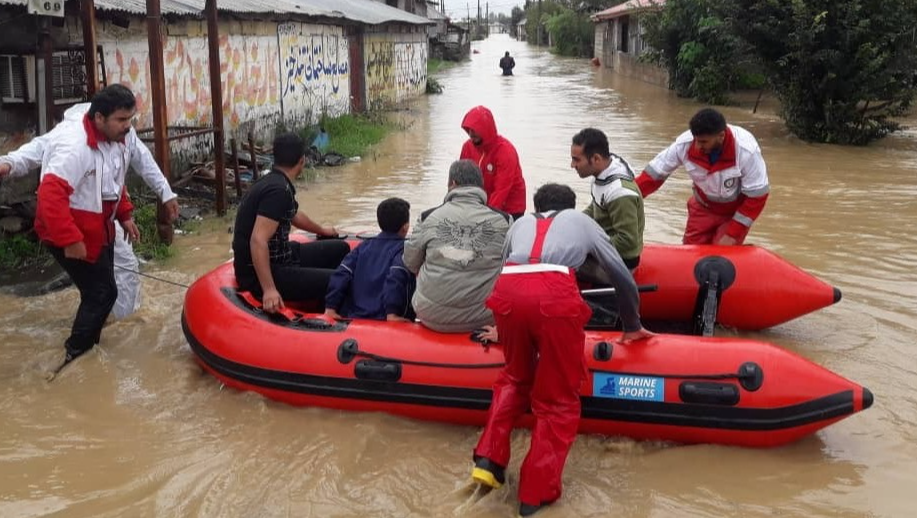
point(349, 349)
point(386, 359)
point(163, 280)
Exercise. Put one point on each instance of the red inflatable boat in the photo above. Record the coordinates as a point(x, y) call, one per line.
point(745, 287)
point(673, 388)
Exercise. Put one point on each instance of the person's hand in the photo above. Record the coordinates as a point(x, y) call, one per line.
point(131, 232)
point(271, 301)
point(329, 231)
point(395, 317)
point(641, 334)
point(5, 169)
point(75, 251)
point(171, 209)
point(333, 314)
point(727, 240)
point(489, 333)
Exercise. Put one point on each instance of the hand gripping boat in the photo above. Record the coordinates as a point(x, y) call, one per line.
point(673, 388)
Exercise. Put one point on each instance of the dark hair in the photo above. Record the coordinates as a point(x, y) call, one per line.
point(707, 122)
point(289, 148)
point(593, 141)
point(110, 99)
point(392, 214)
point(554, 197)
point(465, 173)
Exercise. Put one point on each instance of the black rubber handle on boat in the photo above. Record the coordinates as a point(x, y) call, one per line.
point(611, 291)
point(350, 349)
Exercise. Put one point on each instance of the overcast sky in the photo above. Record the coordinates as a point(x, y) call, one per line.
point(457, 8)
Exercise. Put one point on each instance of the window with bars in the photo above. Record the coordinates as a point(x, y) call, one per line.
point(13, 84)
point(69, 77)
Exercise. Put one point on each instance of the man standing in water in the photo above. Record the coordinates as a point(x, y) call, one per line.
point(82, 192)
point(540, 317)
point(507, 64)
point(498, 161)
point(729, 175)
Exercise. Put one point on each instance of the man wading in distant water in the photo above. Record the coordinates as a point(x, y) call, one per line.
point(82, 192)
point(507, 64)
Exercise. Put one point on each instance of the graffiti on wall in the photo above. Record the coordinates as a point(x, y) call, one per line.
point(395, 71)
point(380, 66)
point(249, 79)
point(314, 70)
point(410, 69)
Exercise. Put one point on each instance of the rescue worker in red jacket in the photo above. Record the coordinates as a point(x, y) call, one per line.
point(498, 161)
point(729, 175)
point(82, 192)
point(540, 318)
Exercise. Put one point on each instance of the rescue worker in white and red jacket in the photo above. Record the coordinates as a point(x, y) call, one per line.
point(82, 192)
point(729, 175)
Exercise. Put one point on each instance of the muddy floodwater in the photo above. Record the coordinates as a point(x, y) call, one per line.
point(136, 429)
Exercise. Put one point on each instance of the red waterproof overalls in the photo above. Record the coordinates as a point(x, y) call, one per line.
point(540, 318)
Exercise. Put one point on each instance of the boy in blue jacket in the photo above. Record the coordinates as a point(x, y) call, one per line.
point(372, 282)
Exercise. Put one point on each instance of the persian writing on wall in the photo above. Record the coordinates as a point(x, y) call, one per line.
point(314, 71)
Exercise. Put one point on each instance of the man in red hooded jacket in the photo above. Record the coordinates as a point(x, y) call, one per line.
point(498, 160)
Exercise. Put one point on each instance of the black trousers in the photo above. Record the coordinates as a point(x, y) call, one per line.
point(307, 278)
point(98, 293)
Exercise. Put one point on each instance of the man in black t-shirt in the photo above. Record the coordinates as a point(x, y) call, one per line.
point(266, 262)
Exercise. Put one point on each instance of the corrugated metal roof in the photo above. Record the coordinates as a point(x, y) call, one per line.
point(626, 8)
point(364, 11)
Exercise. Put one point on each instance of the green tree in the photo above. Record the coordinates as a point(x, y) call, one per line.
point(841, 69)
point(571, 32)
point(515, 16)
point(704, 58)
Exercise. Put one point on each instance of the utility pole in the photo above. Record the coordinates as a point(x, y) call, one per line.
point(487, 17)
point(477, 28)
point(538, 23)
point(468, 18)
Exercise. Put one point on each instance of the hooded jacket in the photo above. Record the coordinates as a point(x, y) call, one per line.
point(498, 161)
point(456, 250)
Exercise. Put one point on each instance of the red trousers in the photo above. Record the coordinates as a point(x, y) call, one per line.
point(706, 227)
point(540, 319)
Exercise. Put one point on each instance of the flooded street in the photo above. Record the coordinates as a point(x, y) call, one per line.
point(137, 429)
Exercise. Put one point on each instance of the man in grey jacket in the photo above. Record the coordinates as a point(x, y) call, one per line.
point(456, 250)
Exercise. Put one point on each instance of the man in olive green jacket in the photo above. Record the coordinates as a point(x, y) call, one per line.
point(617, 205)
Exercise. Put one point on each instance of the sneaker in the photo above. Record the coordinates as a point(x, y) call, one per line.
point(488, 473)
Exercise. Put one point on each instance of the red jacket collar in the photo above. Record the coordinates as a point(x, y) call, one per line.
point(726, 160)
point(93, 135)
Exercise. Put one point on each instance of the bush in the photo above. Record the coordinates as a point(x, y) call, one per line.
point(691, 40)
point(842, 70)
point(572, 33)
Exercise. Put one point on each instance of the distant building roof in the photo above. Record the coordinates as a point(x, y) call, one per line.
point(629, 7)
point(364, 11)
point(435, 14)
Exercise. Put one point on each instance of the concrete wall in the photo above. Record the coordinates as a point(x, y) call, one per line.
point(608, 47)
point(396, 67)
